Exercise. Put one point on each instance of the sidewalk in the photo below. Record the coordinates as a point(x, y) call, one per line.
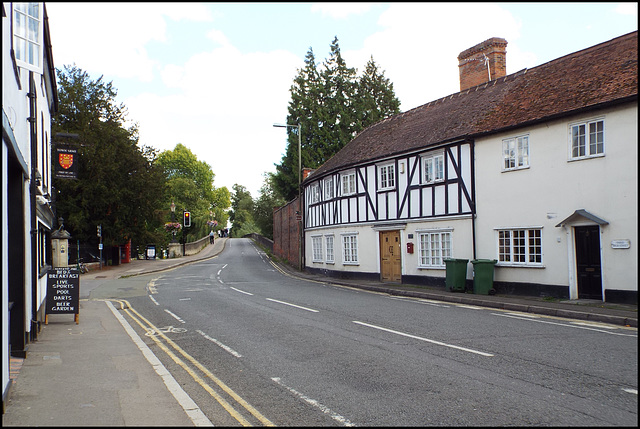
point(586, 310)
point(94, 373)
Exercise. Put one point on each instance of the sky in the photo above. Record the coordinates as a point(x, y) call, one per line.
point(216, 76)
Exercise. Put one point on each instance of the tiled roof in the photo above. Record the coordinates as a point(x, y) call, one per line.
point(594, 77)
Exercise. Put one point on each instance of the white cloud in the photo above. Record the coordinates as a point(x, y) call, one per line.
point(218, 37)
point(111, 36)
point(224, 112)
point(419, 46)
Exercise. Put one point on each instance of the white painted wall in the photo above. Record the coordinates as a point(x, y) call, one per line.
point(553, 188)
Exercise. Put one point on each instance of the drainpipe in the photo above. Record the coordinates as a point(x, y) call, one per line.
point(33, 118)
point(473, 195)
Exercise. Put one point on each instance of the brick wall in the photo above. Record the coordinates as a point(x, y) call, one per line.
point(286, 233)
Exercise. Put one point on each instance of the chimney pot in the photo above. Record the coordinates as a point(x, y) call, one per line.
point(483, 62)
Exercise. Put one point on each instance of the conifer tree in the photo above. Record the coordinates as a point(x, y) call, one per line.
point(376, 99)
point(332, 106)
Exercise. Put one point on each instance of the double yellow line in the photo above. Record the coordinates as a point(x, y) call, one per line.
point(146, 325)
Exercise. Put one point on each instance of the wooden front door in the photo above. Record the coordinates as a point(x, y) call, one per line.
point(390, 258)
point(588, 262)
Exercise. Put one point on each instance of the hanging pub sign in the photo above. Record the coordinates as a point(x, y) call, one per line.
point(67, 162)
point(63, 292)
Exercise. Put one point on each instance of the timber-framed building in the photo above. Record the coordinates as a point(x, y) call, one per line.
point(536, 170)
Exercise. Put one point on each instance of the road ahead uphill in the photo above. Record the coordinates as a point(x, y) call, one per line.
point(252, 345)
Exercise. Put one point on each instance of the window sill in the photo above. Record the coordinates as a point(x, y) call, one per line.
point(433, 182)
point(582, 158)
point(509, 170)
point(510, 265)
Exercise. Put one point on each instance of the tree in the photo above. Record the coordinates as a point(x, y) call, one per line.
point(241, 215)
point(219, 207)
point(337, 124)
point(375, 99)
point(264, 205)
point(189, 185)
point(307, 98)
point(119, 185)
point(332, 106)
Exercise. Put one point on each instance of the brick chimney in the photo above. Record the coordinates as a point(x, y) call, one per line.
point(484, 62)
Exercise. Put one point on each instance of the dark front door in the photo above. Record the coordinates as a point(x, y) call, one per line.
point(588, 262)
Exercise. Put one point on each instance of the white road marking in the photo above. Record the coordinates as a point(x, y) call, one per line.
point(439, 343)
point(340, 419)
point(241, 291)
point(153, 299)
point(219, 271)
point(594, 325)
point(218, 343)
point(469, 307)
point(174, 316)
point(568, 325)
point(532, 316)
point(293, 305)
point(421, 301)
point(634, 391)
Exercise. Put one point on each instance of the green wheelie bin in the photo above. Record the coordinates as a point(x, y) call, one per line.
point(483, 276)
point(456, 274)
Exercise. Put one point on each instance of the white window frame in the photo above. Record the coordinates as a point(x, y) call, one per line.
point(519, 247)
point(28, 35)
point(587, 140)
point(430, 256)
point(328, 188)
point(515, 153)
point(348, 183)
point(433, 168)
point(329, 249)
point(350, 248)
point(386, 177)
point(314, 189)
point(316, 246)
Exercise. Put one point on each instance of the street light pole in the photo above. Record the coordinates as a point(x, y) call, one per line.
point(299, 185)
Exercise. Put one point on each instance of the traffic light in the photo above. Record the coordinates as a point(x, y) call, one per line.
point(99, 231)
point(187, 219)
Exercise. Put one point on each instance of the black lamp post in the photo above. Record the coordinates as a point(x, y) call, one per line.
point(173, 221)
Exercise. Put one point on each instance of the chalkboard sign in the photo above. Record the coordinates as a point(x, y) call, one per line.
point(63, 292)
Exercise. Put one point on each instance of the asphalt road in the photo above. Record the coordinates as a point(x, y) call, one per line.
point(251, 345)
